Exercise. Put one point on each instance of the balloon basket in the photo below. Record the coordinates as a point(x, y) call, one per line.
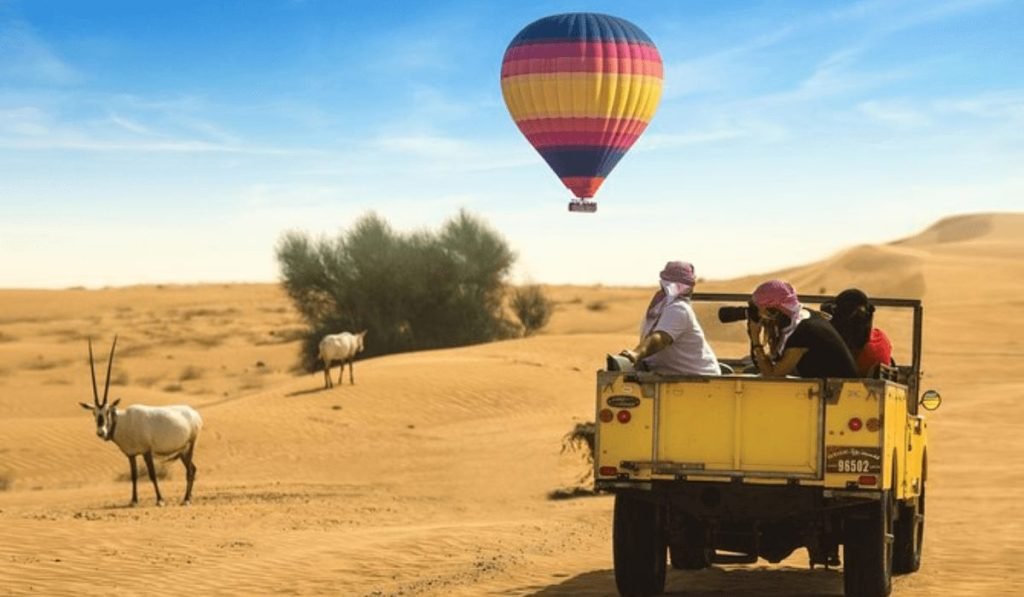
point(587, 207)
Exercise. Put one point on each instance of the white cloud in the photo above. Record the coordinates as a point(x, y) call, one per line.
point(26, 57)
point(1004, 105)
point(25, 121)
point(30, 127)
point(661, 141)
point(129, 125)
point(452, 154)
point(79, 142)
point(899, 113)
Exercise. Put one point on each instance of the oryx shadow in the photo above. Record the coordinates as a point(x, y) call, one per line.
point(306, 392)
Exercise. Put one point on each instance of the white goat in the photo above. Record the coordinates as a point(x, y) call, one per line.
point(166, 431)
point(340, 347)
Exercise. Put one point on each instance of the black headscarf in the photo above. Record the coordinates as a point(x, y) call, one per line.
point(853, 318)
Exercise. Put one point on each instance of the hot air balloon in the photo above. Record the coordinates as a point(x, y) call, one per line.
point(581, 87)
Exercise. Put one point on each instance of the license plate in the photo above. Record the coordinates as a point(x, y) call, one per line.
point(853, 460)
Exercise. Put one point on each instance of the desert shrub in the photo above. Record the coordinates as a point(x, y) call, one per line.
point(597, 306)
point(173, 387)
point(582, 434)
point(579, 440)
point(410, 291)
point(532, 307)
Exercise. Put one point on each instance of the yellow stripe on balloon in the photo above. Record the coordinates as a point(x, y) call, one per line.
point(581, 95)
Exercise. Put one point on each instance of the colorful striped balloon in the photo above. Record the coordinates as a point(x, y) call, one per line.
point(582, 88)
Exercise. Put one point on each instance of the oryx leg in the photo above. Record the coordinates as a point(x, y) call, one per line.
point(341, 372)
point(190, 471)
point(351, 378)
point(148, 457)
point(135, 476)
point(327, 374)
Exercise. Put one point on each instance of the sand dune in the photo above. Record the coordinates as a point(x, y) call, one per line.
point(430, 475)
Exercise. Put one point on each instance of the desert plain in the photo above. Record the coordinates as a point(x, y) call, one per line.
point(431, 474)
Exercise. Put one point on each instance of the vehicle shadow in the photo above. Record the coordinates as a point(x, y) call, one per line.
point(736, 582)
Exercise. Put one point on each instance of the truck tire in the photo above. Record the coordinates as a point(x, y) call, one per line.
point(909, 537)
point(638, 546)
point(868, 550)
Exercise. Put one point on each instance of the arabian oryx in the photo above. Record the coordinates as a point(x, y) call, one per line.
point(340, 347)
point(166, 431)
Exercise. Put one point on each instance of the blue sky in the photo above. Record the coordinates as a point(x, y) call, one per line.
point(146, 142)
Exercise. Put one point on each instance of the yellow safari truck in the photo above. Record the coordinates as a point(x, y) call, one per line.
point(711, 470)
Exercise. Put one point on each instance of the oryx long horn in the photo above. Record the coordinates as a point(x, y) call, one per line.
point(92, 369)
point(110, 362)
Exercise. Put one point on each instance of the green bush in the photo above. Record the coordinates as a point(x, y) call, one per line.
point(532, 308)
point(409, 291)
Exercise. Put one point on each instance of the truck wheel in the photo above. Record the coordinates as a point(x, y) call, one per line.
point(909, 537)
point(868, 551)
point(638, 546)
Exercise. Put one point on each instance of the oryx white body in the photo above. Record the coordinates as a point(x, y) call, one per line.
point(165, 431)
point(340, 347)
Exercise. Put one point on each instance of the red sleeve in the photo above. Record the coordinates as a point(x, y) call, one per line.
point(877, 350)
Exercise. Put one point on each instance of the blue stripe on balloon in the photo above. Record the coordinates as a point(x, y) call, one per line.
point(581, 26)
point(582, 161)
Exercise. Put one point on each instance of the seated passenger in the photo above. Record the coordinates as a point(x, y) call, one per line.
point(853, 317)
point(785, 342)
point(671, 339)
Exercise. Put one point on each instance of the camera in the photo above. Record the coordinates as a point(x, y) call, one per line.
point(731, 314)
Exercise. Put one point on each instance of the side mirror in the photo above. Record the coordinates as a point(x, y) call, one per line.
point(931, 400)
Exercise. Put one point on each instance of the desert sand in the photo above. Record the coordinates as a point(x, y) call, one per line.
point(430, 475)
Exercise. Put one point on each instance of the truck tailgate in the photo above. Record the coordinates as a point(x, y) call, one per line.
point(729, 426)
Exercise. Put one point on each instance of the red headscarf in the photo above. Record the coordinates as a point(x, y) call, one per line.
point(677, 278)
point(779, 295)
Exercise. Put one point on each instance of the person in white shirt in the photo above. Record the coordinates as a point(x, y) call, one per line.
point(671, 339)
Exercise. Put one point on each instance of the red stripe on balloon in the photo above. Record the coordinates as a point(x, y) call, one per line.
point(583, 187)
point(570, 139)
point(622, 66)
point(584, 125)
point(548, 50)
point(568, 132)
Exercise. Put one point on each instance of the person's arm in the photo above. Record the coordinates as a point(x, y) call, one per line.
point(649, 345)
point(780, 368)
point(769, 368)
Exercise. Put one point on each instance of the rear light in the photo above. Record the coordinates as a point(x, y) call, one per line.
point(867, 480)
point(624, 416)
point(607, 471)
point(873, 424)
point(606, 415)
point(855, 424)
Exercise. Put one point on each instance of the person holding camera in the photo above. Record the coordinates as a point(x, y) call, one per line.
point(853, 317)
point(672, 341)
point(785, 341)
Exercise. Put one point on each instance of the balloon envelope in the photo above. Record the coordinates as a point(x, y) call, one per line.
point(581, 87)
